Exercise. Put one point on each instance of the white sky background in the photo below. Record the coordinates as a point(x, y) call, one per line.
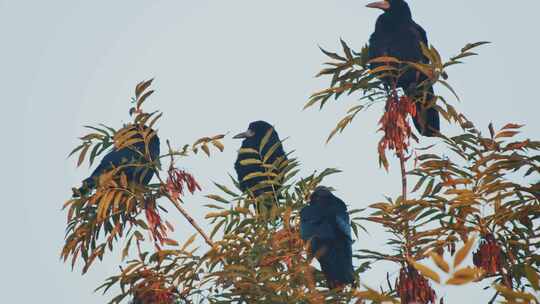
point(218, 65)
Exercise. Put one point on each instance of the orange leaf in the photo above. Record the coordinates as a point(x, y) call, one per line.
point(440, 262)
point(464, 276)
point(425, 271)
point(463, 252)
point(506, 134)
point(512, 126)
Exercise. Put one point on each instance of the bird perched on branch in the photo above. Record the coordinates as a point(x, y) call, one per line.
point(325, 222)
point(397, 35)
point(132, 159)
point(261, 160)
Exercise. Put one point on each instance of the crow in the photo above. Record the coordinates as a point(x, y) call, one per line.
point(397, 35)
point(132, 159)
point(259, 167)
point(325, 221)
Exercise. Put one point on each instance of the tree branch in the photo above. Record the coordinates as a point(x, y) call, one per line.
point(403, 176)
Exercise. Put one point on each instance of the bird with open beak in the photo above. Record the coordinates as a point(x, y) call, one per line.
point(261, 160)
point(397, 35)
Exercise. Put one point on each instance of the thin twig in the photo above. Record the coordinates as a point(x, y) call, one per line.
point(180, 208)
point(192, 221)
point(493, 298)
point(395, 98)
point(403, 176)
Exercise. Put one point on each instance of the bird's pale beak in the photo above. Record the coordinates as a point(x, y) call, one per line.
point(246, 134)
point(384, 5)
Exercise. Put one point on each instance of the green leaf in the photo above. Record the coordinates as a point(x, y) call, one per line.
point(532, 276)
point(470, 46)
point(188, 242)
point(332, 55)
point(83, 154)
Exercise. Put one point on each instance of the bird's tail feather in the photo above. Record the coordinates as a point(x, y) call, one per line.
point(427, 120)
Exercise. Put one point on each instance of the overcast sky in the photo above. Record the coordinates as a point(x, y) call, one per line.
point(218, 65)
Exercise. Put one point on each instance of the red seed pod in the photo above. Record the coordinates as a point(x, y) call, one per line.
point(155, 224)
point(489, 255)
point(397, 131)
point(155, 296)
point(176, 181)
point(414, 288)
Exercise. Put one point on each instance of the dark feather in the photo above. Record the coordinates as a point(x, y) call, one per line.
point(325, 222)
point(132, 155)
point(277, 157)
point(397, 35)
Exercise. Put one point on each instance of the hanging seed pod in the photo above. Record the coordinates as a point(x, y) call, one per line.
point(412, 287)
point(489, 255)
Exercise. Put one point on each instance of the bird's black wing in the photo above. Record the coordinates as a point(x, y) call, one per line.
point(422, 35)
point(430, 117)
point(328, 227)
point(344, 224)
point(125, 156)
point(315, 223)
point(112, 159)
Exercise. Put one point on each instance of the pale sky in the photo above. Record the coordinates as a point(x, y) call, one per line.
point(218, 65)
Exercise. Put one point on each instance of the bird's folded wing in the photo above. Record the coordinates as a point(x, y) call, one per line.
point(315, 224)
point(344, 225)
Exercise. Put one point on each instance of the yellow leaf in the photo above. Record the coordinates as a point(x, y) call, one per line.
point(247, 150)
point(128, 143)
point(117, 200)
point(205, 149)
point(170, 242)
point(463, 252)
point(154, 120)
point(425, 271)
point(200, 141)
point(125, 134)
point(143, 98)
point(456, 281)
point(141, 86)
point(216, 214)
point(464, 276)
point(510, 294)
point(123, 180)
point(271, 151)
point(259, 174)
point(218, 145)
point(383, 68)
point(104, 205)
point(265, 139)
point(440, 262)
point(423, 68)
point(188, 242)
point(251, 161)
point(384, 59)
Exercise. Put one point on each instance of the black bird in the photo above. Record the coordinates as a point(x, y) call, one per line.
point(271, 155)
point(131, 157)
point(325, 221)
point(397, 35)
